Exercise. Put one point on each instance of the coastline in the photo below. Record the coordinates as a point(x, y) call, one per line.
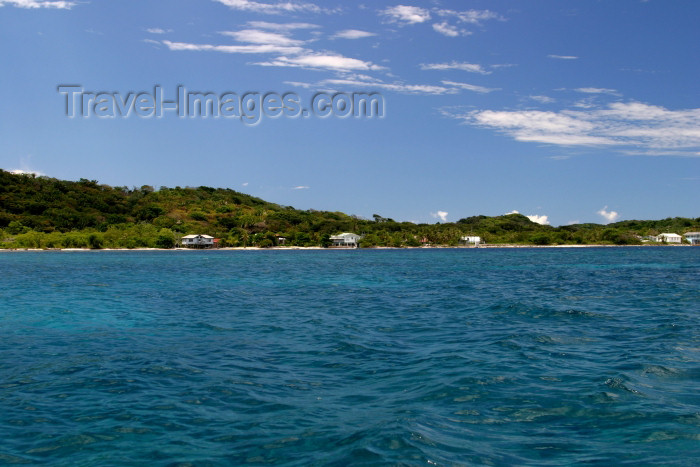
point(312, 248)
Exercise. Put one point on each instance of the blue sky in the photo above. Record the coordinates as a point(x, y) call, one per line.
point(576, 111)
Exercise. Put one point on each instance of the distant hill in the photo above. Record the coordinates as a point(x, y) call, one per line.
point(43, 212)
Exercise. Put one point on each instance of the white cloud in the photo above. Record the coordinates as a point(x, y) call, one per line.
point(469, 87)
point(470, 16)
point(446, 29)
point(276, 40)
point(656, 153)
point(271, 8)
point(301, 187)
point(407, 14)
point(463, 66)
point(327, 61)
point(442, 215)
point(299, 84)
point(474, 17)
point(542, 99)
point(352, 34)
point(232, 49)
point(60, 5)
point(596, 90)
point(256, 36)
point(587, 103)
point(609, 216)
point(158, 30)
point(367, 82)
point(281, 26)
point(396, 86)
point(244, 183)
point(24, 164)
point(25, 172)
point(563, 57)
point(632, 124)
point(542, 220)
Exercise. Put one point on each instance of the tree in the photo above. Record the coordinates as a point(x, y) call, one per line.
point(165, 239)
point(326, 240)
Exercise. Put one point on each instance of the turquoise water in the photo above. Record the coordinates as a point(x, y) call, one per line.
point(399, 357)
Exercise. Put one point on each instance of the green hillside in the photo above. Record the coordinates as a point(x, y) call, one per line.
point(43, 212)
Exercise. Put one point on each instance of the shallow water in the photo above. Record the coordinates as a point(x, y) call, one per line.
point(408, 357)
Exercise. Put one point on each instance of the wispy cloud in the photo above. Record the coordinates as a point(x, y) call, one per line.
point(281, 26)
point(620, 124)
point(470, 16)
point(469, 87)
point(271, 8)
point(563, 57)
point(322, 61)
point(61, 5)
point(442, 215)
point(301, 187)
point(609, 216)
point(596, 90)
point(360, 81)
point(470, 67)
point(274, 38)
point(396, 86)
point(257, 36)
point(542, 99)
point(158, 30)
point(352, 34)
point(404, 14)
point(656, 153)
point(232, 49)
point(448, 30)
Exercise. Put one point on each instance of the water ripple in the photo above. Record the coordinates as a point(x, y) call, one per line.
point(440, 357)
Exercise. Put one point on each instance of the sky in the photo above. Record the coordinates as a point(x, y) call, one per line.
point(565, 111)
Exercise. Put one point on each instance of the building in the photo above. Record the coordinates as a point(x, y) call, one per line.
point(198, 241)
point(692, 237)
point(471, 240)
point(346, 239)
point(669, 238)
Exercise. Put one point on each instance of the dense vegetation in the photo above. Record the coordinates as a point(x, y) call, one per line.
point(43, 212)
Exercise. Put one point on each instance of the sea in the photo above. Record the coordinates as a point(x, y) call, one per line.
point(418, 357)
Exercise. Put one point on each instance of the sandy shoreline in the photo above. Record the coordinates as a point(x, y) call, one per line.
point(307, 248)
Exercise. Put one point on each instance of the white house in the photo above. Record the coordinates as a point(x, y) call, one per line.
point(198, 241)
point(346, 239)
point(693, 237)
point(471, 240)
point(669, 238)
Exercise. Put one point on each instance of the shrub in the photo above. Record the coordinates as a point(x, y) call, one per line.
point(198, 216)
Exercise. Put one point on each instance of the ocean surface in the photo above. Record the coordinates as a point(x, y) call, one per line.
point(537, 356)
